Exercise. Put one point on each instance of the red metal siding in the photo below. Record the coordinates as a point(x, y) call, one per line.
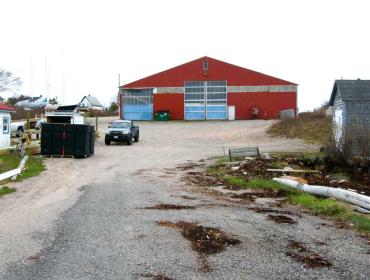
point(217, 70)
point(269, 104)
point(173, 102)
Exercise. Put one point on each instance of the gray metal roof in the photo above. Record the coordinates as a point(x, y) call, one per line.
point(355, 90)
point(92, 100)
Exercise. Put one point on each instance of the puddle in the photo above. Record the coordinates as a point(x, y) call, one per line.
point(205, 240)
point(281, 219)
point(169, 207)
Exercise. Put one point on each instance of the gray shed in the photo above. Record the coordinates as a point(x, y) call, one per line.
point(350, 100)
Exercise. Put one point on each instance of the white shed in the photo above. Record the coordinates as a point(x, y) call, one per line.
point(5, 120)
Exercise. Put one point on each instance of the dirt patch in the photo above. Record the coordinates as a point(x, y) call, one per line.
point(269, 210)
point(34, 258)
point(303, 255)
point(194, 173)
point(326, 180)
point(257, 168)
point(201, 180)
point(140, 172)
point(188, 197)
point(342, 224)
point(189, 166)
point(205, 240)
point(156, 276)
point(297, 246)
point(251, 196)
point(233, 188)
point(321, 243)
point(169, 207)
point(245, 196)
point(281, 219)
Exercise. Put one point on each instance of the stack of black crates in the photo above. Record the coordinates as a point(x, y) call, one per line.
point(58, 139)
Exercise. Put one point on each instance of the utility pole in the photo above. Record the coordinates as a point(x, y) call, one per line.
point(63, 80)
point(46, 77)
point(119, 84)
point(31, 76)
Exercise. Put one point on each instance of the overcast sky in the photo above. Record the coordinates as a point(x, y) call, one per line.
point(311, 43)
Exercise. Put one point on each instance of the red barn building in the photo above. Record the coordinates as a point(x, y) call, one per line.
point(207, 89)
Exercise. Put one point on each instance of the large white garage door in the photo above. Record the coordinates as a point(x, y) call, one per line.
point(205, 100)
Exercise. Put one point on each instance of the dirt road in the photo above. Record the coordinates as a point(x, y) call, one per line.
point(86, 219)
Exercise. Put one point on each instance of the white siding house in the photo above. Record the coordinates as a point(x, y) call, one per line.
point(90, 103)
point(5, 120)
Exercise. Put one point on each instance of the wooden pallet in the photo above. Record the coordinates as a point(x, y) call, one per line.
point(59, 156)
point(64, 156)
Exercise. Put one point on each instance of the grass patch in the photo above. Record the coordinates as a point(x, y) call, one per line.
point(253, 184)
point(34, 166)
point(264, 184)
point(6, 190)
point(331, 208)
point(8, 162)
point(235, 181)
point(316, 205)
point(313, 127)
point(360, 222)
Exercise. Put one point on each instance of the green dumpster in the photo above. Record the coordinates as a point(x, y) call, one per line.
point(162, 116)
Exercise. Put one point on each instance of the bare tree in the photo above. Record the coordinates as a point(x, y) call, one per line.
point(8, 81)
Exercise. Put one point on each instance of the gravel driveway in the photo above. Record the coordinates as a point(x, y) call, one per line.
point(86, 219)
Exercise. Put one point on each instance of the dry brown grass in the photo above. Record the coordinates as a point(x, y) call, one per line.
point(313, 127)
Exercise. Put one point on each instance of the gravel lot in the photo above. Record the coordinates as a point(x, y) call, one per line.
point(84, 219)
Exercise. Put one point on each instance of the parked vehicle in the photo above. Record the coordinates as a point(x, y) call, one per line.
point(122, 131)
point(18, 128)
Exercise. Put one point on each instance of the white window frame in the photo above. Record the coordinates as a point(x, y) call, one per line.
point(6, 121)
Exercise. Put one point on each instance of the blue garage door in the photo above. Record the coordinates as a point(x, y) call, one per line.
point(205, 100)
point(137, 104)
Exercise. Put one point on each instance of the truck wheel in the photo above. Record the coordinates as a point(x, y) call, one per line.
point(107, 142)
point(137, 138)
point(129, 141)
point(20, 131)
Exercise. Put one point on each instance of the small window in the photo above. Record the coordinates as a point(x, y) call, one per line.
point(205, 65)
point(5, 125)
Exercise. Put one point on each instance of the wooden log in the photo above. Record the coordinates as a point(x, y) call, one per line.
point(289, 169)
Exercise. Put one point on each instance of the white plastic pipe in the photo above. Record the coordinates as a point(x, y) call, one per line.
point(358, 199)
point(9, 174)
point(21, 167)
point(23, 163)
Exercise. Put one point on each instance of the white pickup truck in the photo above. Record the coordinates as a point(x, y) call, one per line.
point(18, 127)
